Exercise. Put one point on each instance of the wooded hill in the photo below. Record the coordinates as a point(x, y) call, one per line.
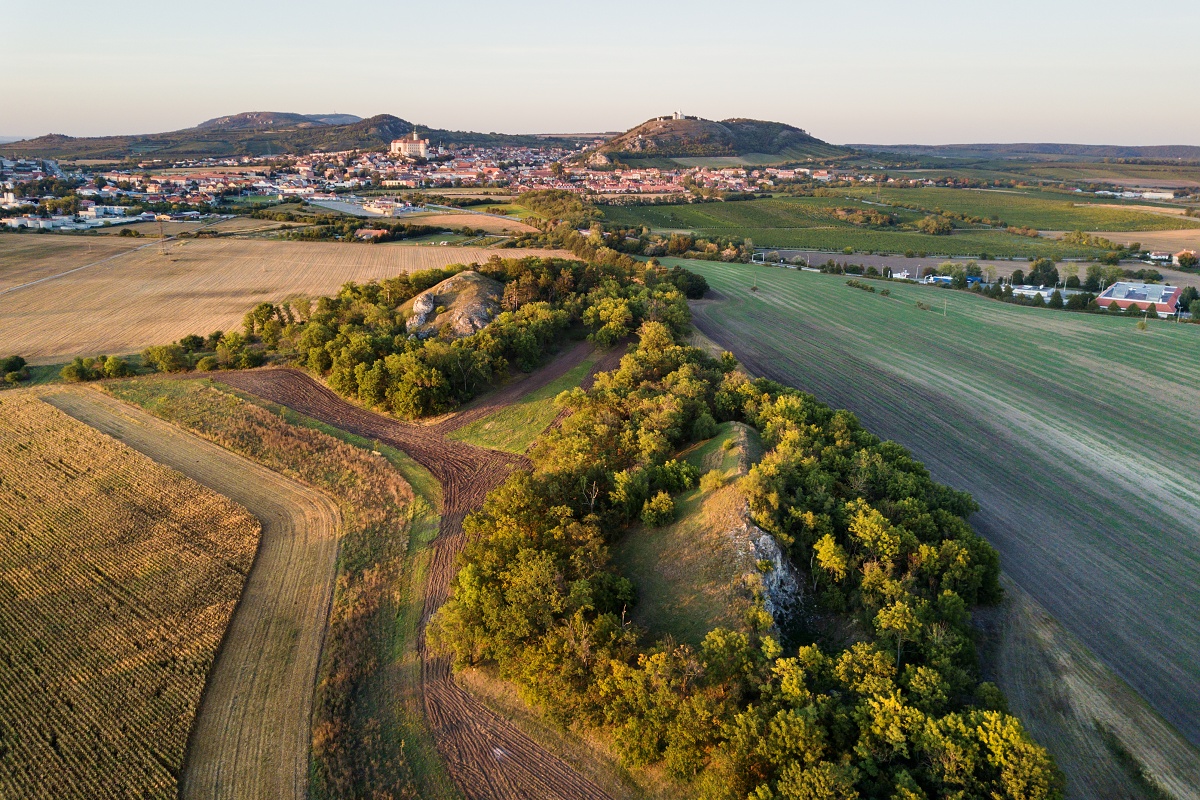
point(667, 137)
point(253, 134)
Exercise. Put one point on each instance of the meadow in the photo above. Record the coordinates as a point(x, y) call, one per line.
point(118, 578)
point(515, 427)
point(98, 295)
point(1076, 433)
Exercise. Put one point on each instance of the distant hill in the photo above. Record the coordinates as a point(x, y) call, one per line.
point(1042, 150)
point(693, 137)
point(254, 133)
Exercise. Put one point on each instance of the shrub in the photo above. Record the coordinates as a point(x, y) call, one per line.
point(116, 367)
point(705, 427)
point(11, 364)
point(711, 481)
point(208, 364)
point(166, 358)
point(658, 510)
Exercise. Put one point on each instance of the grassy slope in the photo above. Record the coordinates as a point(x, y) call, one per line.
point(687, 575)
point(515, 427)
point(1076, 433)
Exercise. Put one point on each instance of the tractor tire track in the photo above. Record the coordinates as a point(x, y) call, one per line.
point(488, 757)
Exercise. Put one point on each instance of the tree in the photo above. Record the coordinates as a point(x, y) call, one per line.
point(1188, 260)
point(1043, 273)
point(1056, 300)
point(935, 225)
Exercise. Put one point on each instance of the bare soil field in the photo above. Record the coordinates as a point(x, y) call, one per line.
point(118, 578)
point(1171, 241)
point(1069, 700)
point(488, 757)
point(143, 297)
point(252, 734)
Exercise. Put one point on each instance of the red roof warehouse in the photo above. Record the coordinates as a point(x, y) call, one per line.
point(1163, 300)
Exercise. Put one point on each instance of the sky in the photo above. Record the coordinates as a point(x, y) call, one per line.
point(914, 71)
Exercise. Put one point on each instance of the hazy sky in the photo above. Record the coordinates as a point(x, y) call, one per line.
point(927, 71)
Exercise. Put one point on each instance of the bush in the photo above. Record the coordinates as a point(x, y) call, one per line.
point(11, 364)
point(208, 364)
point(711, 481)
point(166, 358)
point(116, 367)
point(705, 427)
point(658, 510)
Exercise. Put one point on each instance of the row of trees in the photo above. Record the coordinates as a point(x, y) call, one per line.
point(901, 713)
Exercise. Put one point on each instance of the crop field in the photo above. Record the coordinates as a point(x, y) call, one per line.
point(809, 223)
point(143, 297)
point(251, 736)
point(486, 222)
point(118, 579)
point(1076, 433)
point(1041, 210)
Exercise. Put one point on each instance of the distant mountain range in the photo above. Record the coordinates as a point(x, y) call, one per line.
point(254, 133)
point(1044, 150)
point(680, 137)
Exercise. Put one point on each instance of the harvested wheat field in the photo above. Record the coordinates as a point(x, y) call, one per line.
point(117, 581)
point(145, 297)
point(486, 222)
point(30, 257)
point(252, 734)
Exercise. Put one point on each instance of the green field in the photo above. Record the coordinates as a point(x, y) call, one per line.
point(1077, 434)
point(1041, 210)
point(809, 223)
point(514, 427)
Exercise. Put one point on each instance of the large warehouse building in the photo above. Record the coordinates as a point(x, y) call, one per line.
point(1159, 298)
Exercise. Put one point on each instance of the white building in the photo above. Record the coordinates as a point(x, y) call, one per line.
point(412, 146)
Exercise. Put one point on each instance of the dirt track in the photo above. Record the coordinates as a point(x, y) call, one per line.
point(252, 733)
point(487, 756)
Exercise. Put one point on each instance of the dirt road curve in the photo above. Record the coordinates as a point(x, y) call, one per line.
point(488, 757)
point(252, 733)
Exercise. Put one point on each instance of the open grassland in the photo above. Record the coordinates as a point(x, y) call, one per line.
point(810, 223)
point(690, 575)
point(143, 297)
point(118, 578)
point(367, 730)
point(1076, 433)
point(515, 427)
point(1027, 208)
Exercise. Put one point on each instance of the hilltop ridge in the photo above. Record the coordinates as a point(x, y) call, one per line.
point(685, 137)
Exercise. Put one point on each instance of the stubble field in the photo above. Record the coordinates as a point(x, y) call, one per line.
point(251, 735)
point(1076, 433)
point(118, 578)
point(142, 297)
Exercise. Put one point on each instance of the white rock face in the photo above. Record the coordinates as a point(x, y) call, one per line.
point(423, 307)
point(781, 589)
